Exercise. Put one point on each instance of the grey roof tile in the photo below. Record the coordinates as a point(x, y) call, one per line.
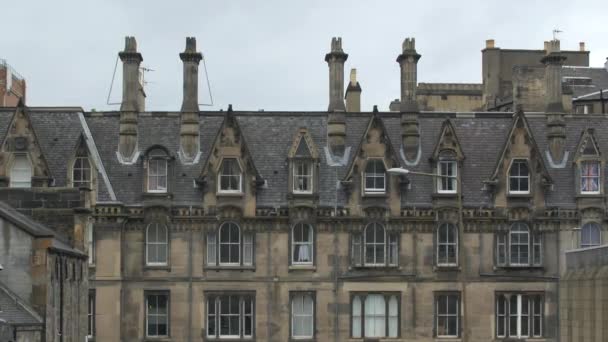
point(15, 311)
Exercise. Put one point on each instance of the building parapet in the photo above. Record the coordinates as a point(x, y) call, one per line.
point(587, 257)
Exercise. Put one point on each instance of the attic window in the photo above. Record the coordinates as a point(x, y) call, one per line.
point(230, 176)
point(519, 177)
point(375, 177)
point(21, 172)
point(81, 173)
point(157, 171)
point(590, 177)
point(302, 177)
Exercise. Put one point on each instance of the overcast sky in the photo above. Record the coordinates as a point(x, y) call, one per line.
point(270, 54)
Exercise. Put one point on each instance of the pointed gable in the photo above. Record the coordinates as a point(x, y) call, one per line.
point(520, 143)
point(230, 142)
point(375, 142)
point(587, 146)
point(448, 141)
point(303, 146)
point(21, 138)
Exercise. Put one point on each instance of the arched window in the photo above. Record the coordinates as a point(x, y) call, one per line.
point(157, 244)
point(81, 173)
point(375, 244)
point(302, 244)
point(447, 245)
point(230, 244)
point(21, 172)
point(230, 176)
point(375, 176)
point(157, 171)
point(519, 177)
point(519, 238)
point(590, 235)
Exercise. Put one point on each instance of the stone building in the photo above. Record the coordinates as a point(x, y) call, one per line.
point(277, 226)
point(12, 85)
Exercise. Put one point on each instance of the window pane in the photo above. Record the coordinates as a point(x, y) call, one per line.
point(21, 172)
point(393, 314)
point(356, 316)
point(211, 249)
point(590, 235)
point(375, 316)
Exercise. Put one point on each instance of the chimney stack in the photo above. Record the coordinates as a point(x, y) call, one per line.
point(490, 43)
point(336, 123)
point(581, 46)
point(408, 61)
point(353, 93)
point(189, 128)
point(132, 99)
point(556, 126)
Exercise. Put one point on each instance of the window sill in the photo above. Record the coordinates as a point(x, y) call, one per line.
point(447, 268)
point(516, 267)
point(451, 339)
point(516, 195)
point(229, 194)
point(374, 194)
point(310, 268)
point(589, 195)
point(249, 339)
point(230, 268)
point(379, 267)
point(157, 268)
point(157, 339)
point(445, 195)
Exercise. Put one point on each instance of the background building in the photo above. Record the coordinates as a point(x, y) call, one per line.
point(12, 85)
point(287, 225)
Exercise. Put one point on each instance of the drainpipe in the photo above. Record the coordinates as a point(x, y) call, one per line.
point(122, 277)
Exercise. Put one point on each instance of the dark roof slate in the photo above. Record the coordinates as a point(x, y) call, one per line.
point(15, 311)
point(598, 76)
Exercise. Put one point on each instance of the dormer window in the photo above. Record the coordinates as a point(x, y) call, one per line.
point(446, 182)
point(519, 177)
point(81, 172)
point(21, 172)
point(157, 171)
point(230, 176)
point(590, 177)
point(375, 177)
point(302, 177)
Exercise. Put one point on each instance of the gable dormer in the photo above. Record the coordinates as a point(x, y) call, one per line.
point(229, 176)
point(303, 160)
point(22, 163)
point(367, 182)
point(446, 160)
point(588, 164)
point(520, 176)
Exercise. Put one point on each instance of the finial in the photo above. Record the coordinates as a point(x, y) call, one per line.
point(230, 107)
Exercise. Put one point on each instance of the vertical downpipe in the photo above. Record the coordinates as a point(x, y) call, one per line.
point(336, 264)
point(190, 268)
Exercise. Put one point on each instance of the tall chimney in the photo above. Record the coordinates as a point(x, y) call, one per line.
point(408, 61)
point(336, 123)
point(189, 128)
point(131, 100)
point(335, 60)
point(556, 126)
point(353, 93)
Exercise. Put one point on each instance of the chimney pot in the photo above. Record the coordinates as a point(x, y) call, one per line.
point(489, 43)
point(581, 46)
point(353, 93)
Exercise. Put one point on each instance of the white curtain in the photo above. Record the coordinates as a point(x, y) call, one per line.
point(393, 317)
point(375, 316)
point(357, 316)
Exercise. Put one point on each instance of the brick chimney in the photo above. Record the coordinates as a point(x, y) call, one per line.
point(408, 61)
point(189, 128)
point(556, 126)
point(353, 93)
point(336, 123)
point(132, 99)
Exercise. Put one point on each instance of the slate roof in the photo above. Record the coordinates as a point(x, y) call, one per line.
point(598, 76)
point(269, 136)
point(35, 229)
point(15, 311)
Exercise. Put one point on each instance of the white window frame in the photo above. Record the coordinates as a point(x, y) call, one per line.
point(375, 244)
point(528, 235)
point(446, 314)
point(375, 175)
point(295, 243)
point(221, 175)
point(157, 244)
point(302, 165)
point(360, 314)
point(450, 175)
point(158, 315)
point(158, 169)
point(519, 176)
point(86, 172)
point(590, 225)
point(215, 300)
point(584, 177)
point(302, 297)
point(21, 183)
point(446, 244)
point(91, 314)
point(229, 243)
point(90, 242)
point(518, 314)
